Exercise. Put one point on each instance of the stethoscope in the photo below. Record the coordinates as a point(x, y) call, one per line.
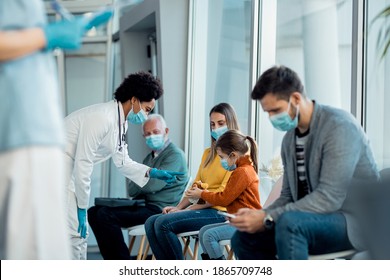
point(121, 131)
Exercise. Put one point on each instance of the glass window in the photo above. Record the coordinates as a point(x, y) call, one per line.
point(377, 87)
point(220, 66)
point(228, 57)
point(310, 39)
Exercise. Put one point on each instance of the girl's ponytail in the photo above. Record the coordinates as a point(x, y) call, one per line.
point(253, 153)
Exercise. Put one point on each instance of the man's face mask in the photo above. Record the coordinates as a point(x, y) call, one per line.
point(216, 133)
point(155, 141)
point(283, 121)
point(138, 118)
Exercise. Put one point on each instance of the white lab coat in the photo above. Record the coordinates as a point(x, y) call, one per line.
point(92, 137)
point(94, 134)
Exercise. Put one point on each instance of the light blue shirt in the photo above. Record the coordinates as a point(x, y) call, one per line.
point(30, 111)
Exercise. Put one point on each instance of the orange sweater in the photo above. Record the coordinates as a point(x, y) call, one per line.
point(241, 191)
point(214, 178)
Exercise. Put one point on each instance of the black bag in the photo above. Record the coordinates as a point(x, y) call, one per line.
point(118, 202)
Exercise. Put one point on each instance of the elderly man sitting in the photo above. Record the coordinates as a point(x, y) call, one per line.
point(106, 222)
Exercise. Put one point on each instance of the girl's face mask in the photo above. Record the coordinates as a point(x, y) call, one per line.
point(225, 164)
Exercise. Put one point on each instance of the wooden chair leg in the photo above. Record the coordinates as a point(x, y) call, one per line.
point(196, 248)
point(131, 243)
point(146, 251)
point(187, 248)
point(141, 247)
point(230, 252)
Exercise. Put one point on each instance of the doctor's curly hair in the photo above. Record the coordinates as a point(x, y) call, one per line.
point(141, 85)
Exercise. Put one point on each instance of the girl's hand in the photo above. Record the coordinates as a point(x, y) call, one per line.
point(194, 193)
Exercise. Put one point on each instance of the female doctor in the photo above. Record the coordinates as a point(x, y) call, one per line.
point(96, 133)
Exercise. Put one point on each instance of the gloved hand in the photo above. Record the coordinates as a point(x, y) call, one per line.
point(82, 217)
point(67, 34)
point(99, 18)
point(165, 175)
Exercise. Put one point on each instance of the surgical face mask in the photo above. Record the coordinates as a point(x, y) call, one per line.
point(216, 133)
point(226, 166)
point(138, 118)
point(155, 141)
point(283, 121)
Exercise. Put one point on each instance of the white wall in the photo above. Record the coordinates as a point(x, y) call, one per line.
point(169, 19)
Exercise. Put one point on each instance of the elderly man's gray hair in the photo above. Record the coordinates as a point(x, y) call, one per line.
point(156, 116)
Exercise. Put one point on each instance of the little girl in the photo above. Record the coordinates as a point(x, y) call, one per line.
point(238, 153)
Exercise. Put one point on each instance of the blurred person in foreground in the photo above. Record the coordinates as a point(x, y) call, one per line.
point(32, 212)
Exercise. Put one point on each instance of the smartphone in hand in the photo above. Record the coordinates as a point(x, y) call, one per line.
point(226, 214)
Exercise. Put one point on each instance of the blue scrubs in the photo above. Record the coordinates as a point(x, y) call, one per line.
point(32, 183)
point(30, 111)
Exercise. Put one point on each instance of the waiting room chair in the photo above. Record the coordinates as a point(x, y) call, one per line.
point(144, 247)
point(226, 243)
point(139, 231)
point(186, 238)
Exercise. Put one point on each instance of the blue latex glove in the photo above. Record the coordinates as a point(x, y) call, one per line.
point(68, 34)
point(99, 18)
point(168, 176)
point(65, 34)
point(82, 217)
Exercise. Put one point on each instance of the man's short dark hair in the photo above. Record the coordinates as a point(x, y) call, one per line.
point(280, 81)
point(142, 85)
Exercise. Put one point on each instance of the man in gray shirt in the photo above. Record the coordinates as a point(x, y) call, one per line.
point(325, 154)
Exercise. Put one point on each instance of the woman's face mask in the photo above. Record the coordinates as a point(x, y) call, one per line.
point(216, 133)
point(283, 121)
point(155, 141)
point(137, 118)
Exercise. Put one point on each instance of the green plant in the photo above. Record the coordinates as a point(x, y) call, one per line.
point(383, 40)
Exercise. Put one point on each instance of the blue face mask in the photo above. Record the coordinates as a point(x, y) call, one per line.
point(226, 166)
point(138, 118)
point(283, 121)
point(155, 141)
point(216, 133)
